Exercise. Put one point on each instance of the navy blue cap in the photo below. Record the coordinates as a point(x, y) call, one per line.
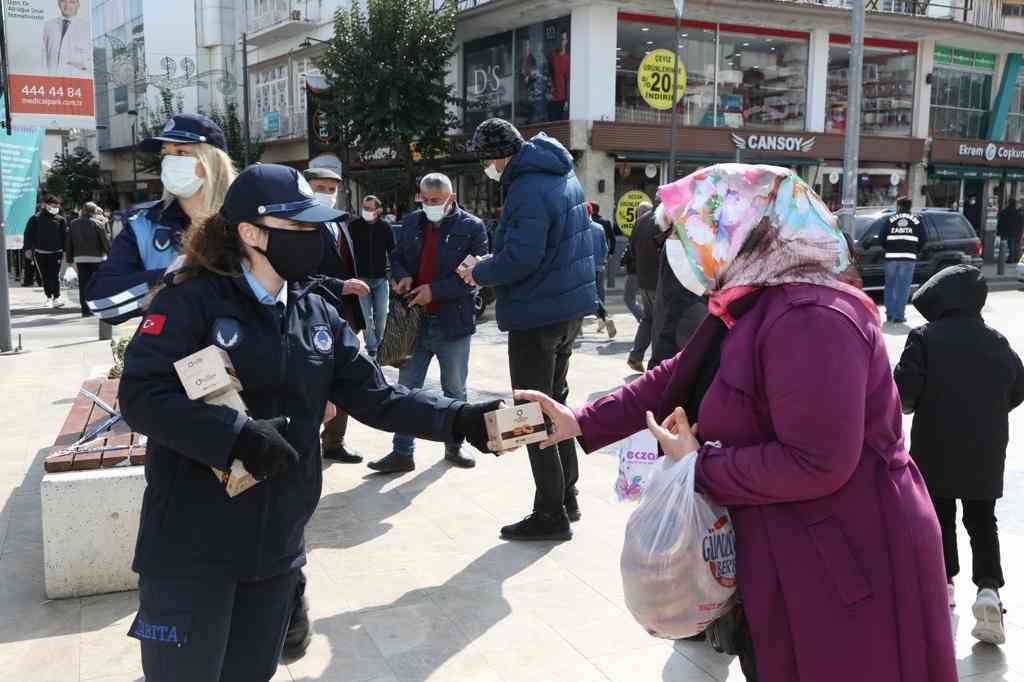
point(186, 129)
point(269, 189)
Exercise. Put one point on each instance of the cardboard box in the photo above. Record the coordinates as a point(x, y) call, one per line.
point(512, 427)
point(208, 375)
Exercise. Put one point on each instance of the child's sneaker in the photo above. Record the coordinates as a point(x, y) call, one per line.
point(952, 595)
point(988, 612)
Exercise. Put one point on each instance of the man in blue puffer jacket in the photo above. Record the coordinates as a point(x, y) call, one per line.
point(542, 271)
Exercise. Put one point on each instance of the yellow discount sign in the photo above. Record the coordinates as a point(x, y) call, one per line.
point(654, 79)
point(626, 210)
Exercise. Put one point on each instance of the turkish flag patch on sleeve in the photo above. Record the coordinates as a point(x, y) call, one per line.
point(153, 324)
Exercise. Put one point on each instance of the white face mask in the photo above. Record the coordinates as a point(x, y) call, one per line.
point(492, 172)
point(675, 253)
point(52, 210)
point(369, 216)
point(326, 199)
point(436, 214)
point(178, 175)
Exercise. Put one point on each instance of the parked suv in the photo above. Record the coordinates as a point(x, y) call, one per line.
point(950, 241)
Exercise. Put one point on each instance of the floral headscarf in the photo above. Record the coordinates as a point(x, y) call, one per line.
point(743, 227)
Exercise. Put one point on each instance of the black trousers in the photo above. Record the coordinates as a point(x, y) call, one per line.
point(980, 522)
point(49, 266)
point(539, 360)
point(85, 273)
point(212, 630)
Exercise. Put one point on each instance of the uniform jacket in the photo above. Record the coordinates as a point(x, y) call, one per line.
point(464, 235)
point(86, 242)
point(839, 552)
point(647, 251)
point(600, 244)
point(45, 232)
point(373, 243)
point(332, 265)
point(290, 367)
point(543, 265)
point(902, 237)
point(961, 379)
point(139, 255)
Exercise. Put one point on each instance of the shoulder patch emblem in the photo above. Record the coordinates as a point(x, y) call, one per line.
point(153, 324)
point(161, 239)
point(323, 340)
point(227, 332)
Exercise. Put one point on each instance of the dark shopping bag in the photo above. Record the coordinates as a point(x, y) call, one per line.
point(400, 333)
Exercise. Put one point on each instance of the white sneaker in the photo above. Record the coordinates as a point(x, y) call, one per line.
point(49, 302)
point(988, 612)
point(58, 302)
point(952, 595)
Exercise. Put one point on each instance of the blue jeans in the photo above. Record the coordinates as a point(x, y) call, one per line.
point(453, 357)
point(375, 312)
point(898, 277)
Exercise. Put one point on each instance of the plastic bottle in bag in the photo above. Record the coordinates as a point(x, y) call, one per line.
point(679, 555)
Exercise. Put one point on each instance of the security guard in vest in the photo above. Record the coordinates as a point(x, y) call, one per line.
point(217, 575)
point(195, 171)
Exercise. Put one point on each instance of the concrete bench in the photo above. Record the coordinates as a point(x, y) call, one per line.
point(91, 500)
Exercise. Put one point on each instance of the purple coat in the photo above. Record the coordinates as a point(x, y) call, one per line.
point(838, 548)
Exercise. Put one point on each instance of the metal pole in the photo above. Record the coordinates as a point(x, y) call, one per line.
point(245, 99)
point(852, 141)
point(5, 295)
point(675, 89)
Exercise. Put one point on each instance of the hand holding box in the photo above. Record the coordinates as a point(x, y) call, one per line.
point(208, 375)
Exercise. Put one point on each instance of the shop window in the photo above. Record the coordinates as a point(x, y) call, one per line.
point(762, 81)
point(961, 93)
point(636, 41)
point(1015, 119)
point(888, 87)
point(521, 75)
point(733, 79)
point(877, 186)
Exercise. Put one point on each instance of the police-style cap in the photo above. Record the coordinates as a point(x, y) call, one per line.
point(186, 129)
point(321, 174)
point(267, 189)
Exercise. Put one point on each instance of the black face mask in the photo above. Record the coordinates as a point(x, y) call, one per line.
point(294, 254)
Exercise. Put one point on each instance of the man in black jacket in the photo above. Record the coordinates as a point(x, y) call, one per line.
point(903, 238)
point(338, 262)
point(1011, 227)
point(45, 234)
point(373, 241)
point(646, 252)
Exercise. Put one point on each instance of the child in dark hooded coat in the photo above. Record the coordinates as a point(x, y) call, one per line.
point(960, 378)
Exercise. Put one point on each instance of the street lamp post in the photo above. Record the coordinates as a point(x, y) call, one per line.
point(135, 166)
point(675, 90)
point(852, 142)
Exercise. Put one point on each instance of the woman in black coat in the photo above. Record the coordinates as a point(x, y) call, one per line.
point(960, 378)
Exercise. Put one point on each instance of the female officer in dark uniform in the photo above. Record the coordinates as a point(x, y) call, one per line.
point(218, 574)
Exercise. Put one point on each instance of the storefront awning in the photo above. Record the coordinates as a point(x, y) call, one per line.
point(966, 172)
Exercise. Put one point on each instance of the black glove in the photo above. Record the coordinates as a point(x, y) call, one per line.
point(469, 423)
point(262, 447)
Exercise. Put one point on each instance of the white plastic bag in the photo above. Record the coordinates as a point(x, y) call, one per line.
point(679, 557)
point(638, 458)
point(71, 277)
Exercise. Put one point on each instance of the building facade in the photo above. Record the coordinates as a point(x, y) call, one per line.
point(765, 81)
point(150, 56)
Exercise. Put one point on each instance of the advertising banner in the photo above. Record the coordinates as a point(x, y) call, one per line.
point(49, 47)
point(19, 163)
point(489, 77)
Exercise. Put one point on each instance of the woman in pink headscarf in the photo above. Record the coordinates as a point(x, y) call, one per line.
point(839, 553)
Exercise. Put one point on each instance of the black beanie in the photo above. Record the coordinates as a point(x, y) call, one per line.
point(496, 138)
